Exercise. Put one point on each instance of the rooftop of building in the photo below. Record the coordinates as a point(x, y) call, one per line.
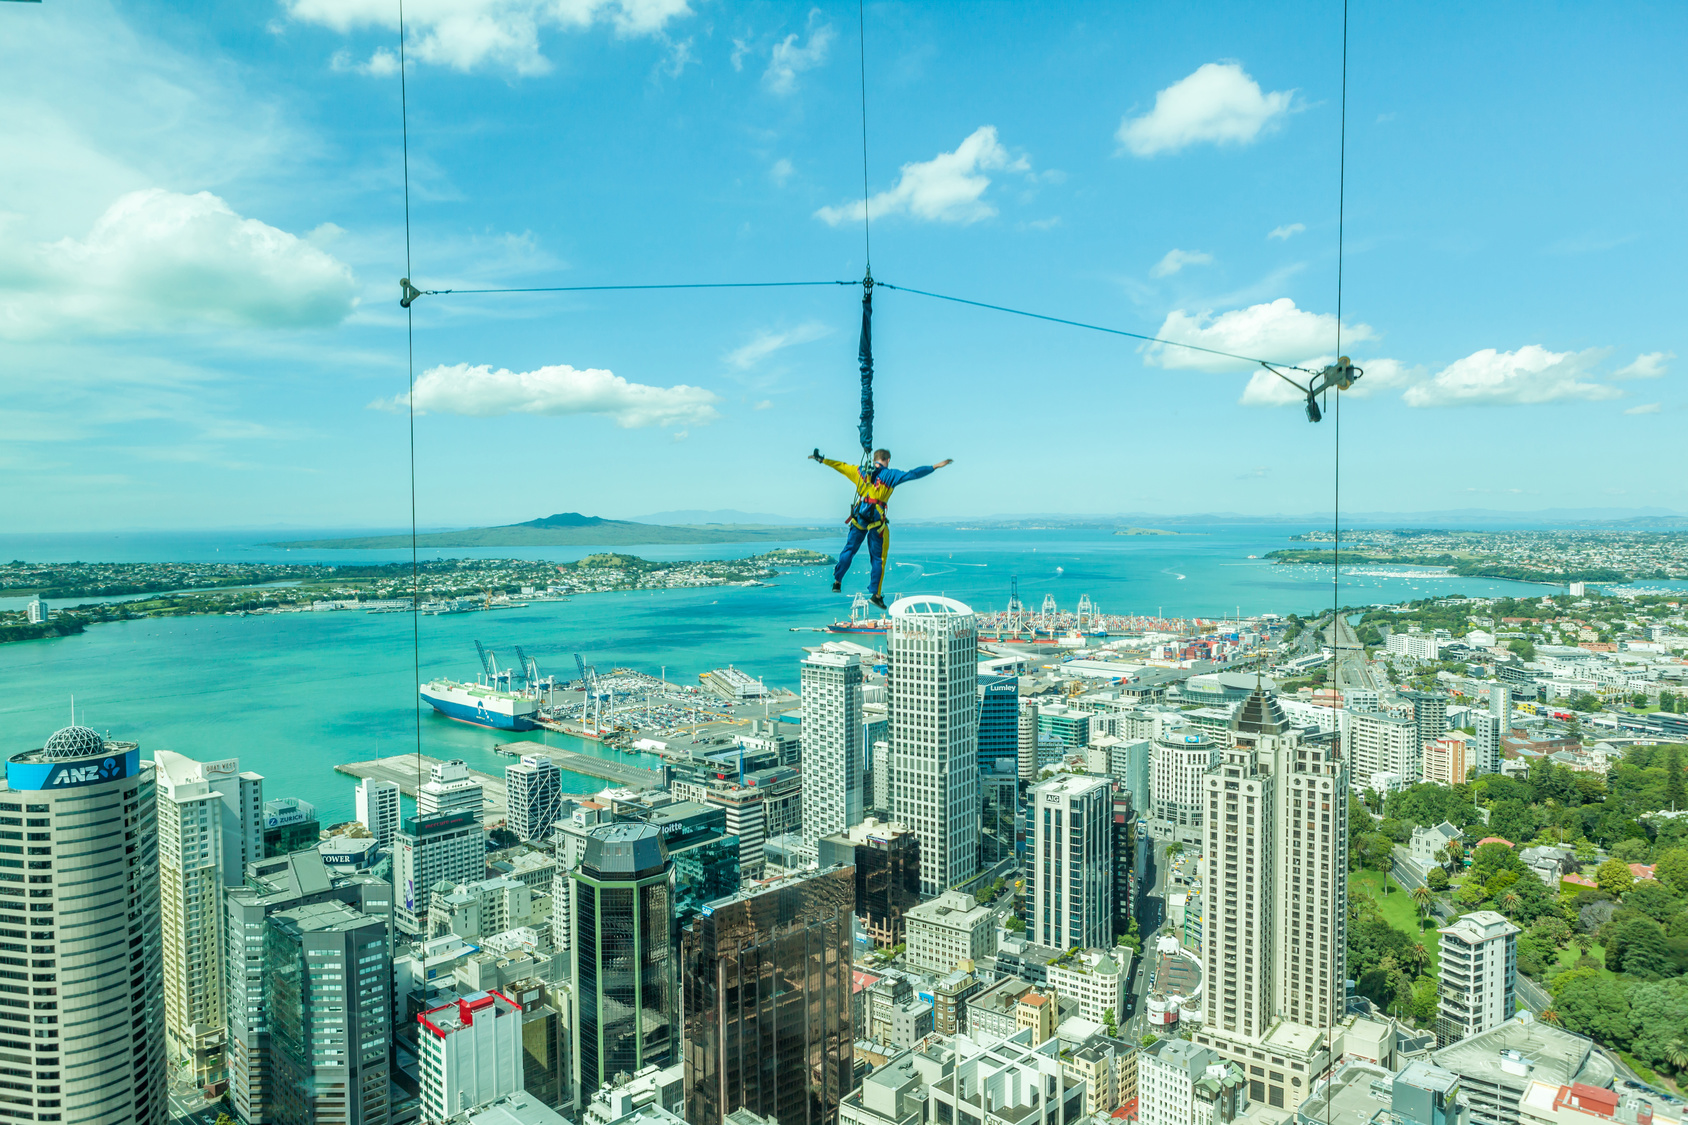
point(870, 829)
point(450, 1018)
point(1353, 1096)
point(517, 1109)
point(1071, 785)
point(323, 917)
point(1001, 997)
point(952, 908)
point(1522, 1049)
point(1260, 714)
point(624, 849)
point(1627, 1107)
point(1478, 926)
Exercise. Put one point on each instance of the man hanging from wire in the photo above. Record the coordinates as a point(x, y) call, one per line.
point(867, 518)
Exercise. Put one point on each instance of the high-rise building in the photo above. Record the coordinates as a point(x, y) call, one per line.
point(1448, 759)
point(88, 809)
point(705, 859)
point(427, 849)
point(1275, 893)
point(1479, 974)
point(1026, 741)
point(378, 809)
point(1492, 728)
point(746, 818)
point(886, 858)
point(999, 723)
point(36, 611)
point(933, 646)
point(272, 886)
point(328, 995)
point(1182, 756)
point(450, 787)
point(948, 929)
point(999, 814)
point(290, 825)
point(533, 788)
point(832, 743)
point(783, 1050)
point(469, 1053)
point(1430, 714)
point(1378, 743)
point(1070, 881)
point(209, 828)
point(623, 972)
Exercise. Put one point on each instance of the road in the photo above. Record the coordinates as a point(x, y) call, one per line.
point(1151, 920)
point(1352, 668)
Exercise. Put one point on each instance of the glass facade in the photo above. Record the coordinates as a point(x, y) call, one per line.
point(767, 1003)
point(999, 796)
point(999, 724)
point(704, 870)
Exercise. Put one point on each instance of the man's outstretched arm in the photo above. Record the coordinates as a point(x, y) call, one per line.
point(894, 477)
point(844, 468)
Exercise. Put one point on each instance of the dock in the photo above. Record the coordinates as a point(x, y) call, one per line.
point(618, 773)
point(401, 769)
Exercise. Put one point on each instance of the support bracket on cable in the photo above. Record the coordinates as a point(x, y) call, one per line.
point(409, 292)
point(1337, 376)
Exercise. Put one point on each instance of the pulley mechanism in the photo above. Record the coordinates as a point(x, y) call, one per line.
point(1338, 376)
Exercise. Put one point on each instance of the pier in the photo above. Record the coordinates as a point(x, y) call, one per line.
point(401, 769)
point(619, 773)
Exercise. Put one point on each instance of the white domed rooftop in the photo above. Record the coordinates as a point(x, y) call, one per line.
point(74, 742)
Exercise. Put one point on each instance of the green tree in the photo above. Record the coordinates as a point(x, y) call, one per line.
point(1614, 876)
point(1659, 1011)
point(1631, 850)
point(1437, 879)
point(1014, 925)
point(1525, 650)
point(1594, 1006)
point(1174, 850)
point(1675, 795)
point(1653, 900)
point(1672, 869)
point(1637, 946)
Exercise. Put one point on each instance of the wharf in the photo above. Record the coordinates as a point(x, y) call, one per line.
point(401, 770)
point(620, 773)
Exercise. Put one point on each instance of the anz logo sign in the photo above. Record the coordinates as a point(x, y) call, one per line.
point(68, 775)
point(83, 775)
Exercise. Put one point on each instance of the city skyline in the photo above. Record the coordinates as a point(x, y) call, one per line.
point(1192, 195)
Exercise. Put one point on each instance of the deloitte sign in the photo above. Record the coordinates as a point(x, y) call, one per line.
point(38, 776)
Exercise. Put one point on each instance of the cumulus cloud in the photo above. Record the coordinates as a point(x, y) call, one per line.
point(162, 260)
point(1649, 365)
point(1276, 330)
point(1647, 408)
point(1176, 260)
point(766, 343)
point(1219, 103)
point(781, 171)
point(1286, 232)
point(949, 188)
point(466, 35)
point(788, 60)
point(481, 392)
point(1530, 375)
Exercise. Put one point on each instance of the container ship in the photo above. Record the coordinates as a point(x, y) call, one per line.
point(859, 621)
point(481, 705)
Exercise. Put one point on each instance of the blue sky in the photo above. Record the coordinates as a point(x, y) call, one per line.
point(201, 232)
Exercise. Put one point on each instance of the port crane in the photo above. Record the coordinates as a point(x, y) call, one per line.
point(593, 702)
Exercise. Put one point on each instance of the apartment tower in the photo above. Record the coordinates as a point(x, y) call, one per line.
point(534, 790)
point(1070, 883)
point(935, 735)
point(832, 743)
point(378, 809)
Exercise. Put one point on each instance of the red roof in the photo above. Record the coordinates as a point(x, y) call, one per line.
point(1590, 1099)
point(860, 980)
point(1641, 870)
point(1579, 880)
point(1493, 840)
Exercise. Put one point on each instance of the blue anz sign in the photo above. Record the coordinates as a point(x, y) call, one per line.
point(40, 776)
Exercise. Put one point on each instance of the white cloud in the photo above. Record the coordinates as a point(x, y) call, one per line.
point(161, 260)
point(781, 171)
point(1176, 260)
point(1276, 331)
point(948, 188)
point(765, 404)
point(1378, 374)
point(1218, 103)
point(1530, 375)
point(1286, 232)
point(481, 392)
point(501, 34)
point(1648, 408)
point(1649, 365)
point(788, 60)
point(766, 343)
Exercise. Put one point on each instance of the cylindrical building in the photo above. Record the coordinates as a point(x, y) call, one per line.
point(81, 969)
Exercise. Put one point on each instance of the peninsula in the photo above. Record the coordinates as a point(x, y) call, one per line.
point(571, 529)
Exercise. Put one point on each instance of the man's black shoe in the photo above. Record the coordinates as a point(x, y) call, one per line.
point(837, 586)
point(878, 601)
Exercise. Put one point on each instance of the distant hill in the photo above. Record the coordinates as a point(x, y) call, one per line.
point(729, 516)
point(570, 529)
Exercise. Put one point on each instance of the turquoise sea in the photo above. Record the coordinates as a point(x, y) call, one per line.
point(293, 694)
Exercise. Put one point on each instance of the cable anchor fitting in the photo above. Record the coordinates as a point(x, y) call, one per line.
point(409, 292)
point(1338, 376)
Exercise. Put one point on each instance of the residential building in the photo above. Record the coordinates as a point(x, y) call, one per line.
point(1374, 743)
point(36, 612)
point(1070, 880)
point(999, 724)
point(1182, 756)
point(272, 886)
point(910, 1023)
point(1430, 714)
point(1497, 1067)
point(469, 1054)
point(1447, 761)
point(947, 930)
point(209, 828)
point(449, 788)
point(1428, 844)
point(1167, 1074)
point(1095, 978)
point(933, 645)
point(378, 809)
point(623, 972)
point(328, 996)
point(883, 773)
point(92, 806)
point(663, 1087)
point(884, 997)
point(1274, 903)
point(1479, 959)
point(1130, 763)
point(1129, 859)
point(290, 825)
point(781, 789)
point(1492, 728)
point(886, 858)
point(832, 743)
point(533, 788)
point(434, 848)
point(1027, 741)
point(949, 1001)
point(788, 1057)
point(1419, 646)
point(481, 909)
point(1037, 1011)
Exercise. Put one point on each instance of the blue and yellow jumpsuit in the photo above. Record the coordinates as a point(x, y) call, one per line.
point(867, 517)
